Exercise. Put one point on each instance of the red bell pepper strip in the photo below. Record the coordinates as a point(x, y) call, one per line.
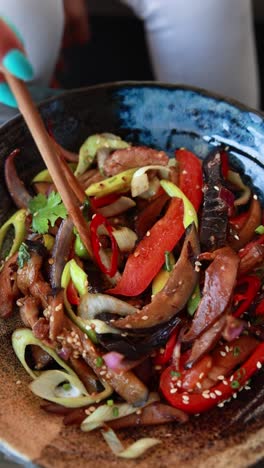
point(146, 261)
point(164, 355)
point(190, 176)
point(103, 201)
point(72, 294)
point(195, 403)
point(99, 220)
point(252, 285)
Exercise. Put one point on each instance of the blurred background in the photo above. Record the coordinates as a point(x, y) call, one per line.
point(117, 50)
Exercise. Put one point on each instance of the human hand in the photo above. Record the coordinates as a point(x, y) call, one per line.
point(76, 22)
point(13, 59)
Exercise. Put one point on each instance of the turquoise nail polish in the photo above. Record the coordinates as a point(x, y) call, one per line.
point(17, 64)
point(6, 96)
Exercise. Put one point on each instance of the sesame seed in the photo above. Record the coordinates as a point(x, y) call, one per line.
point(255, 197)
point(259, 365)
point(218, 392)
point(58, 307)
point(227, 349)
point(184, 171)
point(225, 382)
point(18, 382)
point(186, 397)
point(216, 188)
point(231, 378)
point(50, 261)
point(205, 395)
point(145, 317)
point(236, 236)
point(247, 387)
point(128, 325)
point(222, 353)
point(185, 402)
point(148, 233)
point(220, 405)
point(198, 385)
point(201, 375)
point(212, 395)
point(136, 254)
point(92, 409)
point(179, 383)
point(139, 411)
point(162, 350)
point(87, 411)
point(173, 390)
point(234, 395)
point(103, 372)
point(220, 377)
point(158, 367)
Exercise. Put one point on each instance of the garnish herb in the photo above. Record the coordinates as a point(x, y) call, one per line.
point(46, 210)
point(99, 361)
point(235, 384)
point(110, 402)
point(260, 229)
point(23, 255)
point(236, 351)
point(66, 386)
point(167, 265)
point(115, 412)
point(175, 374)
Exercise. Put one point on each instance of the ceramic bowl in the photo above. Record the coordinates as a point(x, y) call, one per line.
point(164, 117)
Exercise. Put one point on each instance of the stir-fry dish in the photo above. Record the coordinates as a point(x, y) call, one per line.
point(162, 318)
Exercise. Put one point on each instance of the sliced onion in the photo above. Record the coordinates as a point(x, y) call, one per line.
point(105, 413)
point(49, 387)
point(102, 155)
point(140, 182)
point(235, 179)
point(117, 207)
point(125, 238)
point(154, 186)
point(113, 359)
point(23, 337)
point(134, 450)
point(92, 305)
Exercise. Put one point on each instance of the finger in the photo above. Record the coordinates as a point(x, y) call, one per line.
point(12, 56)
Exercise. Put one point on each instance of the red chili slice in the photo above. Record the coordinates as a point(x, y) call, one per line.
point(251, 287)
point(194, 403)
point(99, 220)
point(72, 294)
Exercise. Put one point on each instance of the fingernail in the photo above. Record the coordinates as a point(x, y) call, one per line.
point(17, 64)
point(6, 96)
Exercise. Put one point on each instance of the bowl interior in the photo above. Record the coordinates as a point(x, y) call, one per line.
point(165, 117)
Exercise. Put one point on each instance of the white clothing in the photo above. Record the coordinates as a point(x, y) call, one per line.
point(205, 43)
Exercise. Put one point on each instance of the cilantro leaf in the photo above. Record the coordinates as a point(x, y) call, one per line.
point(46, 210)
point(260, 229)
point(23, 255)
